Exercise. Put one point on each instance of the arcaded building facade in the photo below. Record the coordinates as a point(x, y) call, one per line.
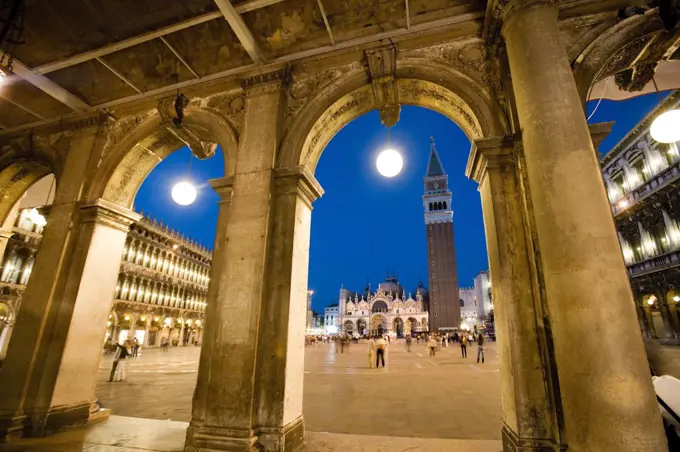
point(160, 296)
point(643, 182)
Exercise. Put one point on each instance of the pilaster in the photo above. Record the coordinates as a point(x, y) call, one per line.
point(530, 417)
point(280, 373)
point(223, 404)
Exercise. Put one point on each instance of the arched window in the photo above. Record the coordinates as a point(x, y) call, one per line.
point(430, 207)
point(462, 303)
point(440, 205)
point(444, 205)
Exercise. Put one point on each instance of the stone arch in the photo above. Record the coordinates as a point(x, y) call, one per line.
point(132, 152)
point(419, 82)
point(614, 49)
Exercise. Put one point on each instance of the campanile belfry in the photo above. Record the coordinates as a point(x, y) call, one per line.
point(443, 275)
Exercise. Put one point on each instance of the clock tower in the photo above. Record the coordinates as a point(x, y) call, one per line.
point(444, 305)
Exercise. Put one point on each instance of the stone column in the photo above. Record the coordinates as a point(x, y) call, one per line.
point(48, 379)
point(5, 337)
point(529, 417)
point(180, 340)
point(280, 370)
point(607, 395)
point(4, 240)
point(223, 404)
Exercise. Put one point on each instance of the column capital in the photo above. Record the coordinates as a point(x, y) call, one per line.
point(110, 214)
point(224, 187)
point(485, 153)
point(298, 180)
point(499, 11)
point(5, 234)
point(264, 83)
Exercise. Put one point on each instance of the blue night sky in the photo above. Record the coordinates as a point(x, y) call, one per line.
point(366, 226)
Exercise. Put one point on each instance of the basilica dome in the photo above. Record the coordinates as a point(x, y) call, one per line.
point(422, 290)
point(391, 285)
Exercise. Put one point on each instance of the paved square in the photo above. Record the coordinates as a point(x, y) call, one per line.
point(415, 396)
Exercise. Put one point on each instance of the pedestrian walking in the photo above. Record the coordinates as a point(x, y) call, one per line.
point(463, 345)
point(380, 349)
point(135, 347)
point(432, 345)
point(480, 347)
point(409, 342)
point(443, 341)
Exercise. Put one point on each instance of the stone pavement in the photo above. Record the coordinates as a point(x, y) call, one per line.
point(415, 396)
point(126, 434)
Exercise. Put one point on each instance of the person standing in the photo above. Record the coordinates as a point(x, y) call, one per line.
point(123, 353)
point(114, 365)
point(135, 347)
point(409, 341)
point(463, 345)
point(480, 347)
point(371, 351)
point(380, 348)
point(432, 345)
point(443, 341)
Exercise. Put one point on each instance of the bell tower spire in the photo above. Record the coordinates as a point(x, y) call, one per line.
point(444, 306)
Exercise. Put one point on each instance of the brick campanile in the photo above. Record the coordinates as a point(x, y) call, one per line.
point(441, 252)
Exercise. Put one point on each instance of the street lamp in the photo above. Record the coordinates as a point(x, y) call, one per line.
point(389, 163)
point(666, 127)
point(184, 193)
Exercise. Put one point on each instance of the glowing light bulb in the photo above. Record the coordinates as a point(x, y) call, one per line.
point(389, 163)
point(184, 193)
point(666, 127)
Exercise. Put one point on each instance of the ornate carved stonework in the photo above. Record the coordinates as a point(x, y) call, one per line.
point(635, 78)
point(184, 133)
point(303, 84)
point(230, 105)
point(382, 63)
point(624, 57)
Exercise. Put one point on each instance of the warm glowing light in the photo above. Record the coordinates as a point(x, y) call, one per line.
point(3, 77)
point(168, 321)
point(175, 246)
point(184, 193)
point(198, 323)
point(676, 298)
point(126, 317)
point(156, 319)
point(35, 217)
point(666, 127)
point(651, 300)
point(623, 203)
point(189, 322)
point(108, 323)
point(143, 318)
point(389, 163)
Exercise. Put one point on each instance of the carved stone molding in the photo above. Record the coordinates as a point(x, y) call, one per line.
point(264, 83)
point(495, 152)
point(109, 214)
point(200, 149)
point(499, 11)
point(299, 181)
point(224, 187)
point(382, 64)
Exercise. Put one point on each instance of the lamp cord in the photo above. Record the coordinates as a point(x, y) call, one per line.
point(388, 136)
point(189, 168)
point(50, 190)
point(606, 82)
point(656, 88)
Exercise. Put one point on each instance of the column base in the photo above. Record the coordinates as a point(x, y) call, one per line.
point(62, 417)
point(290, 438)
point(203, 438)
point(513, 443)
point(12, 427)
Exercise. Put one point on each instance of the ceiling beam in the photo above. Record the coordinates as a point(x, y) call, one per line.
point(241, 8)
point(421, 27)
point(26, 109)
point(119, 75)
point(179, 57)
point(325, 20)
point(408, 16)
point(241, 30)
point(49, 87)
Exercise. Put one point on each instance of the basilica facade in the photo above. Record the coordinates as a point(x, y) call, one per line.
point(388, 310)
